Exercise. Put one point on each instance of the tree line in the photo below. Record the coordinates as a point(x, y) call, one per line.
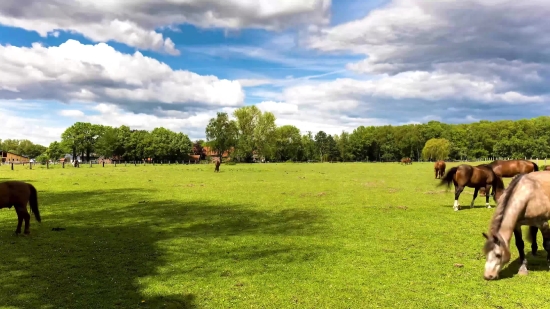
point(251, 135)
point(22, 147)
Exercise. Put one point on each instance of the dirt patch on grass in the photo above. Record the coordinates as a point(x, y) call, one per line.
point(372, 184)
point(313, 194)
point(435, 192)
point(395, 207)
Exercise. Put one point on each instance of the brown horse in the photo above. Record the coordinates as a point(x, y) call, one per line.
point(526, 201)
point(546, 168)
point(475, 177)
point(217, 169)
point(406, 161)
point(19, 194)
point(439, 168)
point(511, 168)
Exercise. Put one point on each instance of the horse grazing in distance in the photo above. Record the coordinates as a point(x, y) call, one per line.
point(217, 169)
point(439, 168)
point(526, 201)
point(546, 168)
point(511, 168)
point(406, 161)
point(18, 194)
point(475, 177)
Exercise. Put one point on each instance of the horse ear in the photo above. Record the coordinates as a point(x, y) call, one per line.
point(485, 235)
point(496, 240)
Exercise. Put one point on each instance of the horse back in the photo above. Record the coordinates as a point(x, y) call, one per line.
point(543, 180)
point(14, 192)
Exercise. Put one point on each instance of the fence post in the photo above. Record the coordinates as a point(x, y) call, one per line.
point(30, 165)
point(12, 166)
point(47, 165)
point(103, 164)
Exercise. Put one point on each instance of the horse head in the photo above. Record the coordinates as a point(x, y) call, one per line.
point(497, 255)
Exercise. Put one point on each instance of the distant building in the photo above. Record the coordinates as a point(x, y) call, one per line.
point(10, 157)
point(211, 153)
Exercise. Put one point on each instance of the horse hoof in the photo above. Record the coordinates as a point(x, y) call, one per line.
point(27, 232)
point(523, 272)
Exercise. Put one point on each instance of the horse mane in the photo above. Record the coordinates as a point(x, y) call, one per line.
point(498, 216)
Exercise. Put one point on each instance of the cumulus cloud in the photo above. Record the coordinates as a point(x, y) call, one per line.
point(416, 34)
point(135, 23)
point(480, 57)
point(36, 129)
point(71, 113)
point(192, 124)
point(98, 73)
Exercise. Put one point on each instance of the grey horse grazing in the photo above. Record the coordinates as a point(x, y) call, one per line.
point(526, 201)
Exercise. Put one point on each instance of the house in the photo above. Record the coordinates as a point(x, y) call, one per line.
point(10, 157)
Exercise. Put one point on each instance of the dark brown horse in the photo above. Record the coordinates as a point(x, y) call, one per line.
point(481, 176)
point(18, 194)
point(217, 169)
point(511, 168)
point(439, 168)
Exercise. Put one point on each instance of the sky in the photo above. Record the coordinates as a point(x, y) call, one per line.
point(316, 64)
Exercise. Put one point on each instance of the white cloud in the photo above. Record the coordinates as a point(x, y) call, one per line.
point(71, 113)
point(248, 82)
point(417, 35)
point(192, 124)
point(38, 130)
point(278, 107)
point(135, 22)
point(78, 72)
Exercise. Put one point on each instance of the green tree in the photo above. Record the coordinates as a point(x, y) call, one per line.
point(436, 148)
point(55, 151)
point(221, 133)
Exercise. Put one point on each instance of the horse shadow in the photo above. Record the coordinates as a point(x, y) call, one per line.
point(535, 263)
point(119, 256)
point(467, 207)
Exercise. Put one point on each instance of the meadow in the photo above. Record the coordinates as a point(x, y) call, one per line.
point(344, 235)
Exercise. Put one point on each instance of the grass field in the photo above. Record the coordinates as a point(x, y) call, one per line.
point(351, 235)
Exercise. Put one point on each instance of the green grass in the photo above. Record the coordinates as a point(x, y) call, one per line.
point(254, 236)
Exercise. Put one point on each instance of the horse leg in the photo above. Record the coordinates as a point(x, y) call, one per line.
point(458, 190)
point(475, 195)
point(27, 218)
point(545, 231)
point(436, 173)
point(533, 230)
point(521, 246)
point(487, 188)
point(19, 220)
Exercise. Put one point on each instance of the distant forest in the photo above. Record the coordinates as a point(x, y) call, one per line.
point(253, 134)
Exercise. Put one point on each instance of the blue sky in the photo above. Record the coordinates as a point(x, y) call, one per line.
point(316, 64)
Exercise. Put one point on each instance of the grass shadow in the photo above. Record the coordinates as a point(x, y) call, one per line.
point(467, 207)
point(116, 246)
point(535, 263)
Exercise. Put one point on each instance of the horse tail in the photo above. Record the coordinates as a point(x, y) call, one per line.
point(33, 200)
point(448, 178)
point(497, 184)
point(535, 167)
